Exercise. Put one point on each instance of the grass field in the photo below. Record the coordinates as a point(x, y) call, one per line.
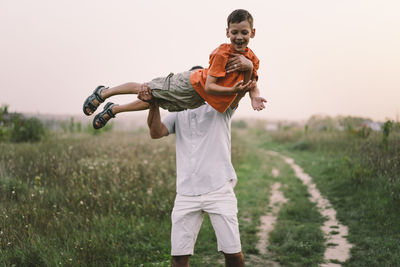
point(105, 200)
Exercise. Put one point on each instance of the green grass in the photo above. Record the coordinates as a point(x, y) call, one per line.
point(361, 179)
point(105, 200)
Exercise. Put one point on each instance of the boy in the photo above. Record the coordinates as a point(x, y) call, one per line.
point(217, 85)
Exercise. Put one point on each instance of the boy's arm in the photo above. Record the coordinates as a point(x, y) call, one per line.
point(257, 102)
point(211, 87)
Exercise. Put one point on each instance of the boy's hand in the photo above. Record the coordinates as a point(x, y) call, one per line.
point(144, 93)
point(238, 62)
point(258, 103)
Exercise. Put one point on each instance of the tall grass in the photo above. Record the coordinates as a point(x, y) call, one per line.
point(86, 200)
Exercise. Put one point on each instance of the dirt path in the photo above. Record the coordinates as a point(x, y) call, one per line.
point(268, 221)
point(338, 248)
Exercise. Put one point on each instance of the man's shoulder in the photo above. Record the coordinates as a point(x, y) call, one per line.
point(207, 108)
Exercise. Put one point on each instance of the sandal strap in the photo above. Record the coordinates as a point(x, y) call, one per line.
point(97, 93)
point(109, 112)
point(90, 104)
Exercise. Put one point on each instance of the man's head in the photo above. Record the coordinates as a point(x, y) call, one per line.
point(197, 67)
point(240, 29)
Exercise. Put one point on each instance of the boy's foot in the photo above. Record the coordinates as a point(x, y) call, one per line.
point(103, 117)
point(93, 101)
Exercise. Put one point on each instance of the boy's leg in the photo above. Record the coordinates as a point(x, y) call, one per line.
point(115, 109)
point(133, 106)
point(126, 88)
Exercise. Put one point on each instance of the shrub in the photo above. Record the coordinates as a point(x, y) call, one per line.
point(26, 129)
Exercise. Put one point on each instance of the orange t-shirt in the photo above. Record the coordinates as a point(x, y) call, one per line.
point(218, 59)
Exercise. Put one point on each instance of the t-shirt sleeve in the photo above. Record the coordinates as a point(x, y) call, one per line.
point(217, 65)
point(256, 65)
point(169, 122)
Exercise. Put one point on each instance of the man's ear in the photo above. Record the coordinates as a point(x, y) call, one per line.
point(227, 32)
point(253, 33)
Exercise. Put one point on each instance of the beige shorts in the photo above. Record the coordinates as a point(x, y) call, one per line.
point(175, 92)
point(187, 217)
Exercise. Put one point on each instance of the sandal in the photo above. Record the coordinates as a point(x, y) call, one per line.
point(100, 119)
point(89, 102)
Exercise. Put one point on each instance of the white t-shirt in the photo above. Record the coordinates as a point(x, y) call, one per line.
point(203, 149)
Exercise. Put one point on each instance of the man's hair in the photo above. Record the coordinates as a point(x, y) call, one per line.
point(240, 15)
point(197, 67)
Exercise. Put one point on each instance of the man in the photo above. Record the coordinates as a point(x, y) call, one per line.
point(205, 177)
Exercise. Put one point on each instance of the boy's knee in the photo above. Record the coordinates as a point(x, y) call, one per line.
point(234, 260)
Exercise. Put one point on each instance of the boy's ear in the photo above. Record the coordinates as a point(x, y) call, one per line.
point(253, 33)
point(227, 32)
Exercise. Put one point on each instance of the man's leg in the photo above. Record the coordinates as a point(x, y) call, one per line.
point(234, 260)
point(180, 261)
point(186, 218)
point(221, 205)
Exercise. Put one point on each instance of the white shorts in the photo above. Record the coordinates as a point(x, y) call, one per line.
point(187, 217)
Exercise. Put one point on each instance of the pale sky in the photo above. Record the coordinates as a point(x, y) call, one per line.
point(337, 57)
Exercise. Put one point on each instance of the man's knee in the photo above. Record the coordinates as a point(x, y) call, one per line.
point(234, 260)
point(180, 261)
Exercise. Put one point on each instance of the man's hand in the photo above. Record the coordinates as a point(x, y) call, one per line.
point(242, 87)
point(238, 62)
point(144, 93)
point(257, 103)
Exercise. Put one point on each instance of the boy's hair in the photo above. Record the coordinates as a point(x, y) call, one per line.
point(240, 15)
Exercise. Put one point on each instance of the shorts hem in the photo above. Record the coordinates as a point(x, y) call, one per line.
point(189, 252)
point(230, 250)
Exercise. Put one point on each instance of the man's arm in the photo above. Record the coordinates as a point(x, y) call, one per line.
point(235, 102)
point(157, 128)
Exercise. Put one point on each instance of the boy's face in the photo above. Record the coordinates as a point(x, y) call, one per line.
point(240, 34)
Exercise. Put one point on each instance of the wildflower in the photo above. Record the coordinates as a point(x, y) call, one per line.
point(13, 192)
point(81, 202)
point(37, 180)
